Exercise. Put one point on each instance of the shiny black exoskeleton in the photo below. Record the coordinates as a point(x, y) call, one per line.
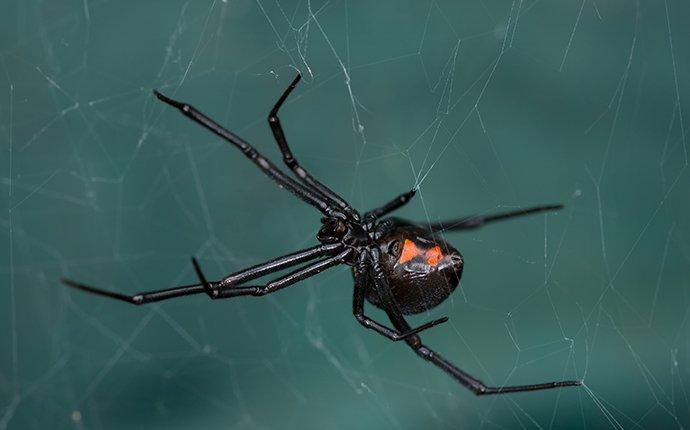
point(400, 266)
point(422, 269)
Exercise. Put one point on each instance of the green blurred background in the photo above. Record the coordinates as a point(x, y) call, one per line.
point(484, 105)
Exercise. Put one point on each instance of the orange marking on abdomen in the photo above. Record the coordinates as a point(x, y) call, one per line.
point(434, 255)
point(409, 252)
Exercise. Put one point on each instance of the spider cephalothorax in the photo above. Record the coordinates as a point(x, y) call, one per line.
point(349, 233)
point(332, 230)
point(402, 267)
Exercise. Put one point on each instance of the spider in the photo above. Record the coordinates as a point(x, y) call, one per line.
point(399, 266)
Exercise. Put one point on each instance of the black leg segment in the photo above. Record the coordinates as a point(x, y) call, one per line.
point(266, 166)
point(139, 298)
point(477, 386)
point(282, 282)
point(476, 221)
point(389, 207)
point(290, 160)
point(212, 288)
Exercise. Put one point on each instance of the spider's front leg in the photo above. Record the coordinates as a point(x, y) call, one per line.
point(290, 160)
point(306, 194)
point(390, 206)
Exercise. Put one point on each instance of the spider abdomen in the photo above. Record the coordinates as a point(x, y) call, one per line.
point(415, 297)
point(422, 270)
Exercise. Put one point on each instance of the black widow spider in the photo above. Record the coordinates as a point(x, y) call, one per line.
point(399, 266)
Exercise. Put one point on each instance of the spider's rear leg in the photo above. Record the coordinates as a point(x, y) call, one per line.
point(276, 284)
point(213, 287)
point(139, 298)
point(290, 160)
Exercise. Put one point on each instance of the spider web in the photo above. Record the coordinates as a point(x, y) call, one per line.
point(481, 105)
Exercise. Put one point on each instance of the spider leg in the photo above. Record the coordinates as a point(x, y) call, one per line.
point(309, 196)
point(358, 312)
point(476, 221)
point(290, 160)
point(248, 274)
point(468, 381)
point(392, 205)
point(474, 384)
point(276, 284)
point(138, 298)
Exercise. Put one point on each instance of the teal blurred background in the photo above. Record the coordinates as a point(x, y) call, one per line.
point(484, 105)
